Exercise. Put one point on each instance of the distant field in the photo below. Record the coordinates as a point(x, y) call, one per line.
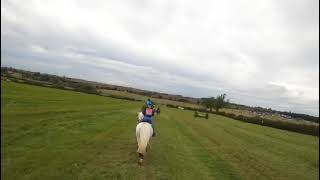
point(177, 103)
point(144, 98)
point(19, 78)
point(55, 134)
point(275, 117)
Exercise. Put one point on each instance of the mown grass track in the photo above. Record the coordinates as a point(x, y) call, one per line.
point(56, 134)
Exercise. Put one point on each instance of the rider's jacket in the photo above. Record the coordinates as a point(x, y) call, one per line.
point(148, 113)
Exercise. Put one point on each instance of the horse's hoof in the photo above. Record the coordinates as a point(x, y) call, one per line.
point(140, 161)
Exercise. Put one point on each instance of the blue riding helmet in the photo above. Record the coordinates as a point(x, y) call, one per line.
point(149, 103)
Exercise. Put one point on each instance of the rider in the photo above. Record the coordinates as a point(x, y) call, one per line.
point(149, 102)
point(148, 112)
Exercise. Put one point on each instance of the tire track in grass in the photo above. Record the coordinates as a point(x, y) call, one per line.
point(217, 166)
point(102, 136)
point(172, 158)
point(110, 150)
point(256, 156)
point(120, 159)
point(267, 150)
point(211, 166)
point(205, 134)
point(268, 132)
point(225, 152)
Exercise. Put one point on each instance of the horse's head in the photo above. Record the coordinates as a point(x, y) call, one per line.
point(140, 116)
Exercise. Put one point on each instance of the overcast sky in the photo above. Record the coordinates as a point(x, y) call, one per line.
point(260, 53)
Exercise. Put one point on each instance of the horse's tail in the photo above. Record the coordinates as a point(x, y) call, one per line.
point(144, 139)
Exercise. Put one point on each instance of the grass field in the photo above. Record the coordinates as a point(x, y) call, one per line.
point(55, 134)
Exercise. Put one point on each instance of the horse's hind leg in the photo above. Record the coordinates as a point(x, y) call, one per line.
point(141, 158)
point(148, 147)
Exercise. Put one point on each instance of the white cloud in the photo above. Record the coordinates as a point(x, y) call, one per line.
point(238, 47)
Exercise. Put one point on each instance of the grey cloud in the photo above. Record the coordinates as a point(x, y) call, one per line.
point(192, 49)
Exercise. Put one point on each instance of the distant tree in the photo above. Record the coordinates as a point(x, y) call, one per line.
point(219, 102)
point(88, 88)
point(207, 116)
point(44, 77)
point(36, 74)
point(182, 100)
point(208, 102)
point(12, 69)
point(4, 70)
point(228, 104)
point(214, 103)
point(54, 80)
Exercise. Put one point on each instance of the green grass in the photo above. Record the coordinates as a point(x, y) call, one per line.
point(55, 134)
